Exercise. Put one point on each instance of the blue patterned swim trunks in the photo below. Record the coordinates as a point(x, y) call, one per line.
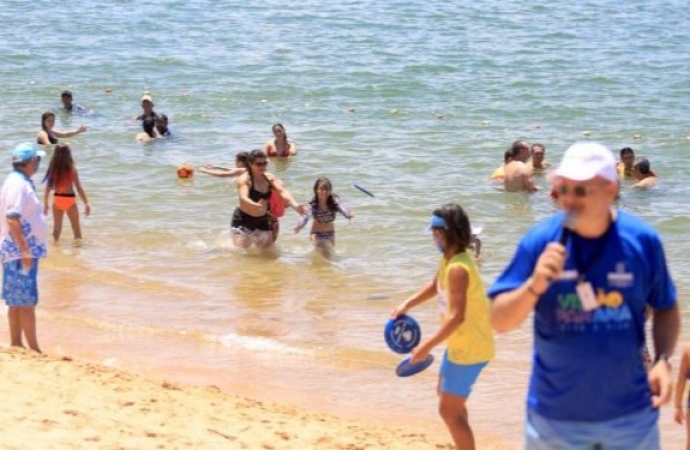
point(18, 287)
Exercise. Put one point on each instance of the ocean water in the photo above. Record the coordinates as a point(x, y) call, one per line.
point(416, 101)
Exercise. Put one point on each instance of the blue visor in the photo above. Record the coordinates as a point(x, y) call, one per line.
point(437, 222)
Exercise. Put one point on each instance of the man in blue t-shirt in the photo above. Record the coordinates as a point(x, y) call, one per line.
point(588, 273)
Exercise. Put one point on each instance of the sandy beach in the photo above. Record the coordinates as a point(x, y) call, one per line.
point(51, 402)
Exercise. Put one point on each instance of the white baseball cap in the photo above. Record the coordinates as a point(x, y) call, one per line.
point(583, 161)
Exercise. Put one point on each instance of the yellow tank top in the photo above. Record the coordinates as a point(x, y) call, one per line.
point(473, 341)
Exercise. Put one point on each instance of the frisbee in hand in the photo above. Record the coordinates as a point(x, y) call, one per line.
point(402, 334)
point(405, 369)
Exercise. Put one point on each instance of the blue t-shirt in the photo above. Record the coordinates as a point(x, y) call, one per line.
point(587, 365)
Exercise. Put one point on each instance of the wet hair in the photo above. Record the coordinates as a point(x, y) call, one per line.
point(517, 147)
point(330, 201)
point(256, 154)
point(459, 232)
point(45, 117)
point(537, 145)
point(149, 124)
point(162, 117)
point(627, 151)
point(242, 158)
point(66, 94)
point(61, 165)
point(508, 156)
point(282, 128)
point(642, 164)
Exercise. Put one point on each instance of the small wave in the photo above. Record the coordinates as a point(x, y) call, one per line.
point(260, 343)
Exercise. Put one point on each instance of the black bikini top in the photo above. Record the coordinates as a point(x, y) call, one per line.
point(255, 195)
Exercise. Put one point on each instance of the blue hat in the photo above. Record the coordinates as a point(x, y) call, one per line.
point(440, 222)
point(24, 152)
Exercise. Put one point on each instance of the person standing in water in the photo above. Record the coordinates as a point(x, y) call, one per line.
point(252, 221)
point(48, 135)
point(465, 320)
point(323, 207)
point(280, 145)
point(62, 177)
point(68, 106)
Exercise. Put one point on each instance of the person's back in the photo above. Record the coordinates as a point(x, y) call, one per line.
point(518, 177)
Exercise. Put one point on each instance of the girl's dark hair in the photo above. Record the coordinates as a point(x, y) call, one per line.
point(256, 154)
point(44, 117)
point(61, 165)
point(330, 202)
point(242, 158)
point(282, 128)
point(459, 232)
point(149, 125)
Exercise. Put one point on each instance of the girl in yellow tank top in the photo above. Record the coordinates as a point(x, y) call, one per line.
point(465, 316)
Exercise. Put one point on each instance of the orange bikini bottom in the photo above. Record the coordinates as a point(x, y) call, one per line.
point(63, 202)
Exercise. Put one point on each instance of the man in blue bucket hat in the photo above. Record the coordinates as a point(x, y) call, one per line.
point(23, 241)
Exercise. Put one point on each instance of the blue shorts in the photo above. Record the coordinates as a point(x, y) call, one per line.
point(458, 379)
point(636, 431)
point(19, 288)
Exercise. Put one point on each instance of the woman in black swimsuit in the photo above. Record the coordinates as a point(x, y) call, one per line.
point(252, 221)
point(48, 136)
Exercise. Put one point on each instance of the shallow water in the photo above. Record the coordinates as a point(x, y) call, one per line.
point(414, 101)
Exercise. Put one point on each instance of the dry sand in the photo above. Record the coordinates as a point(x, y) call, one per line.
point(53, 403)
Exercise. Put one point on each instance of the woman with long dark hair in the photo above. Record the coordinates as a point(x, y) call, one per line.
point(252, 221)
point(280, 145)
point(48, 135)
point(63, 179)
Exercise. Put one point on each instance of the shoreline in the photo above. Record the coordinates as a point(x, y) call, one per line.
point(61, 401)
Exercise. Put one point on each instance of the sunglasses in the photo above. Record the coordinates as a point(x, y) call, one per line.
point(579, 191)
point(261, 163)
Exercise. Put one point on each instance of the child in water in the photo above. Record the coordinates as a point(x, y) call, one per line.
point(465, 320)
point(227, 172)
point(63, 178)
point(323, 208)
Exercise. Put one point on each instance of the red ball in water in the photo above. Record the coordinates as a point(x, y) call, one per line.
point(185, 171)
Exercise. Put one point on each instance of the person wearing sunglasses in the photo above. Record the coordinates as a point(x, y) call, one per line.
point(253, 221)
point(23, 241)
point(589, 273)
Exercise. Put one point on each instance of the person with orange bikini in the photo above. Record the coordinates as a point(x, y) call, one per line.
point(63, 178)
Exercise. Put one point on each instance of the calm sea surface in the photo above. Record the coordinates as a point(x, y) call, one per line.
point(416, 101)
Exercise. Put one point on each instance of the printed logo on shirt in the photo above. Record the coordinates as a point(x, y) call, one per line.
point(620, 278)
point(612, 312)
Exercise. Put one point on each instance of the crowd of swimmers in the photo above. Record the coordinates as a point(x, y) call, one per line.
point(521, 162)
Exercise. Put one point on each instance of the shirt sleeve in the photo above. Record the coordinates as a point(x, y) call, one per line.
point(342, 209)
point(662, 292)
point(14, 201)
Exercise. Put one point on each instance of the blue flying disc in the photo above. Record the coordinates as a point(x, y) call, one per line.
point(405, 369)
point(402, 334)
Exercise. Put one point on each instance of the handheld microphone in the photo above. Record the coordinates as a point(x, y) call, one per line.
point(567, 225)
